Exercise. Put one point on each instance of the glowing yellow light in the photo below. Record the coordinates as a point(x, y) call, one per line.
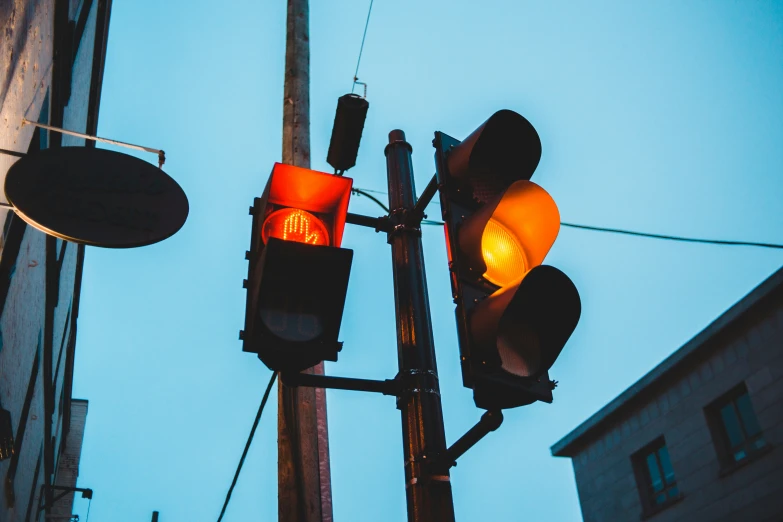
point(503, 255)
point(293, 224)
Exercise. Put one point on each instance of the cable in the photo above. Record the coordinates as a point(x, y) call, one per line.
point(673, 238)
point(89, 505)
point(361, 49)
point(364, 192)
point(376, 192)
point(247, 445)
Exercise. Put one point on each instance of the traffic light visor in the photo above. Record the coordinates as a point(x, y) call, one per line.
point(305, 205)
point(504, 149)
point(528, 324)
point(504, 240)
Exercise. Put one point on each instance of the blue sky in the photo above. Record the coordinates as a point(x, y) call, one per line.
point(654, 116)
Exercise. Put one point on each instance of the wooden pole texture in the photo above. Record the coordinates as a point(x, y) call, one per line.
point(304, 482)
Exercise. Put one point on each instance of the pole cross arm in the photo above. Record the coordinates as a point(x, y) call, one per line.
point(308, 380)
point(490, 421)
point(401, 218)
point(380, 224)
point(426, 197)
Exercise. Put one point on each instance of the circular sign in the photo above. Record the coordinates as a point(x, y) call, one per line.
point(96, 197)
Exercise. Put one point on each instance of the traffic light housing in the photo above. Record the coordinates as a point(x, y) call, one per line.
point(297, 274)
point(514, 315)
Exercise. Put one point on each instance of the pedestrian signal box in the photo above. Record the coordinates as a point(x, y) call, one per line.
point(297, 274)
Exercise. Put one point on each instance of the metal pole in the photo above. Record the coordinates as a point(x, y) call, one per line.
point(428, 494)
point(304, 483)
point(154, 516)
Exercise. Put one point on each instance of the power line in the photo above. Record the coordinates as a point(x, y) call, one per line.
point(247, 445)
point(365, 192)
point(361, 49)
point(673, 238)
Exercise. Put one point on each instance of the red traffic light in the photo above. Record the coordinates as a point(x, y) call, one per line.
point(297, 277)
point(294, 224)
point(305, 205)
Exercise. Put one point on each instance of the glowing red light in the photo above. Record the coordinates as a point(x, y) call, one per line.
point(293, 224)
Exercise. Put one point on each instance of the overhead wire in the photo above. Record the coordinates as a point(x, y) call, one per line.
point(365, 192)
point(361, 48)
point(247, 446)
point(673, 238)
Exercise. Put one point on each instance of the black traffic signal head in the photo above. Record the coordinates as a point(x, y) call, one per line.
point(514, 315)
point(297, 275)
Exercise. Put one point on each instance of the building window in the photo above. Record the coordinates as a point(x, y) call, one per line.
point(736, 430)
point(20, 429)
point(655, 476)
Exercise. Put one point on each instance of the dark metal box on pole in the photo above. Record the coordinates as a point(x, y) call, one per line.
point(347, 131)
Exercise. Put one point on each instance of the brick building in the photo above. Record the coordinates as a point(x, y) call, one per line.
point(699, 437)
point(51, 71)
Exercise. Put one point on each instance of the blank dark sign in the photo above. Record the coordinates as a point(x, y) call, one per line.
point(96, 197)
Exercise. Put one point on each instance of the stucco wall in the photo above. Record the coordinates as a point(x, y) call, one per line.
point(25, 72)
point(25, 77)
point(22, 325)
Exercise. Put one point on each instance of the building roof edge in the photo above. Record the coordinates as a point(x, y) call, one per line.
point(564, 447)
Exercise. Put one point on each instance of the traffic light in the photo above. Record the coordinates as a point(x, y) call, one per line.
point(514, 315)
point(297, 274)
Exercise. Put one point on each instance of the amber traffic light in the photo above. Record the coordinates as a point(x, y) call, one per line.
point(297, 274)
point(514, 315)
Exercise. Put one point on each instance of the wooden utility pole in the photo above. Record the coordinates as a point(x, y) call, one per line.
point(304, 483)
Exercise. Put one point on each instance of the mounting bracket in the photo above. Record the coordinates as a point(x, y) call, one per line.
point(490, 421)
point(86, 493)
point(309, 380)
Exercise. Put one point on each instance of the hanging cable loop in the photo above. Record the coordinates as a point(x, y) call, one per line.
point(361, 50)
